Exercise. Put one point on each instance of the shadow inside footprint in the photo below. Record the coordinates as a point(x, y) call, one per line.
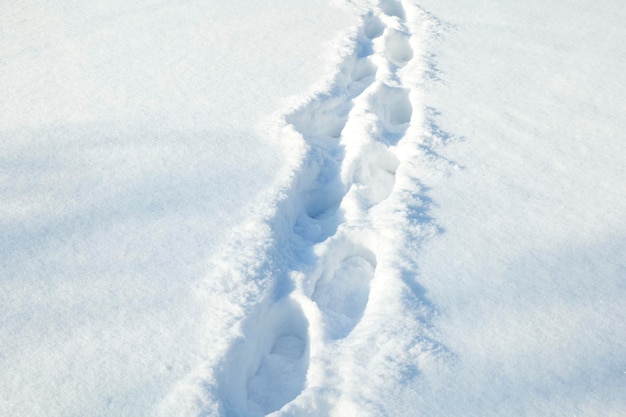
point(373, 27)
point(342, 293)
point(320, 200)
point(393, 8)
point(318, 227)
point(282, 368)
point(267, 368)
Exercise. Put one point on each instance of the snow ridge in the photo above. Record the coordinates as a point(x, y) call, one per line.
point(331, 303)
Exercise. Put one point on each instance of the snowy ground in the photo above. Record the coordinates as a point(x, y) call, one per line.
point(530, 271)
point(357, 208)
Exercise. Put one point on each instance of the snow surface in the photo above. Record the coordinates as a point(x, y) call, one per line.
point(133, 137)
point(529, 273)
point(391, 208)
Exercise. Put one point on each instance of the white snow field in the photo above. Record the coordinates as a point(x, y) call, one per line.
point(335, 208)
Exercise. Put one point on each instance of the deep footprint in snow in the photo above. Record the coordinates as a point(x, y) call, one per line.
point(281, 373)
point(393, 8)
point(324, 117)
point(318, 218)
point(362, 76)
point(342, 293)
point(372, 175)
point(375, 183)
point(393, 108)
point(364, 69)
point(373, 27)
point(397, 47)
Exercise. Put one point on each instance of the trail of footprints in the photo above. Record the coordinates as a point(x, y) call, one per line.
point(350, 168)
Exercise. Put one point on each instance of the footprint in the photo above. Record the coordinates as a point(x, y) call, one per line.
point(318, 218)
point(267, 368)
point(373, 27)
point(362, 76)
point(323, 116)
point(322, 202)
point(375, 183)
point(372, 173)
point(343, 291)
point(397, 47)
point(393, 108)
point(317, 229)
point(283, 345)
point(393, 8)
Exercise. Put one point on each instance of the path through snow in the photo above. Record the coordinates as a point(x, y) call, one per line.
point(334, 264)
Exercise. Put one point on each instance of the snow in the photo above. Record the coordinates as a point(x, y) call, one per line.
point(393, 208)
point(132, 139)
point(529, 271)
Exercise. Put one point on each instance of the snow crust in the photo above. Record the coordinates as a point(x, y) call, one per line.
point(364, 208)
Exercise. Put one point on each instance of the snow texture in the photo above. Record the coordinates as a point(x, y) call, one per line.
point(208, 216)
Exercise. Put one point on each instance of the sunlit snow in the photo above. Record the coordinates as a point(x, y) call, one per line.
point(336, 208)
